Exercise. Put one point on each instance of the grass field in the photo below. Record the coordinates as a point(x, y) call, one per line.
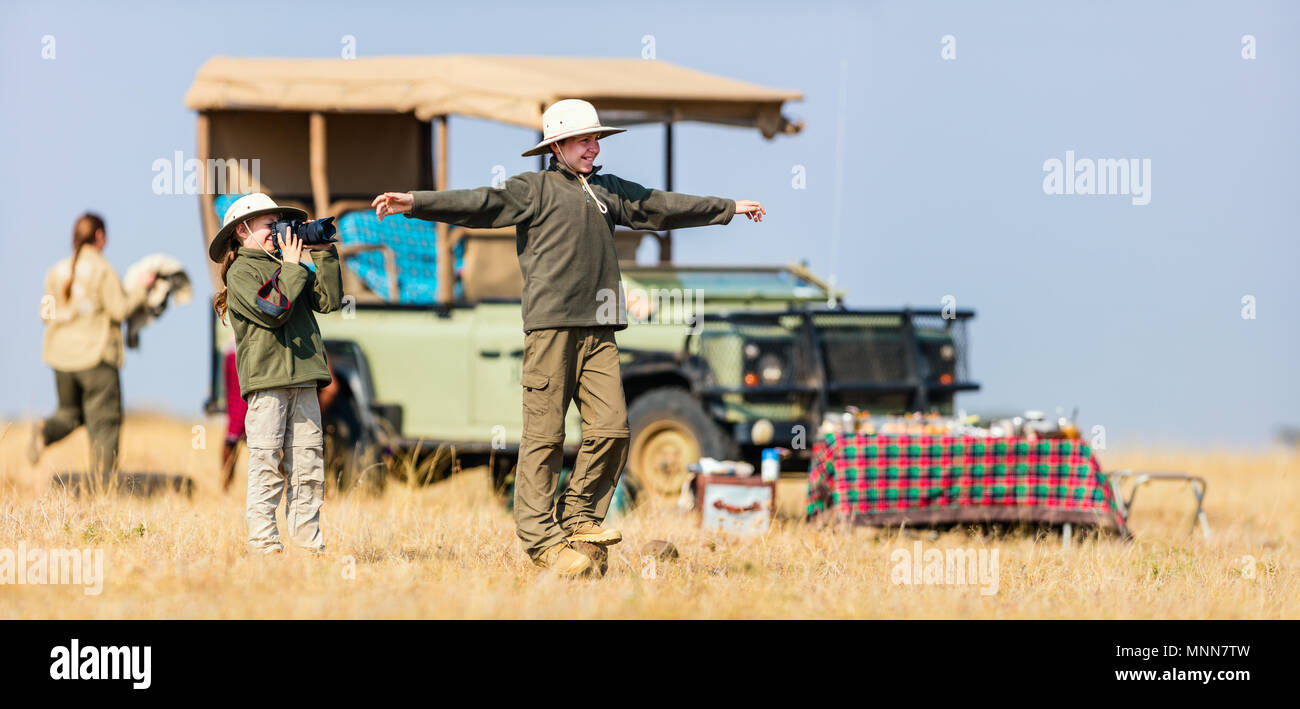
point(449, 551)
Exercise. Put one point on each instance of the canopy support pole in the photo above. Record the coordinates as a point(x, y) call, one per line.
point(320, 185)
point(541, 159)
point(666, 241)
point(446, 266)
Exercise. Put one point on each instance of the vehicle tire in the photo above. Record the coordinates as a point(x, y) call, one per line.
point(670, 430)
point(352, 455)
point(502, 466)
point(364, 471)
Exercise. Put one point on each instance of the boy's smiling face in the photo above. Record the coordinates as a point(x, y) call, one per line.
point(260, 236)
point(579, 152)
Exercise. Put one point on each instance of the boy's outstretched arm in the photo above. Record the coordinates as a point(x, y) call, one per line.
point(481, 208)
point(639, 207)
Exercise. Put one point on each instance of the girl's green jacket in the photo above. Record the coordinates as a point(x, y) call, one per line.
point(281, 349)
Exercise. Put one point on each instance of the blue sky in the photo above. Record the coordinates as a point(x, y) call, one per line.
point(1132, 313)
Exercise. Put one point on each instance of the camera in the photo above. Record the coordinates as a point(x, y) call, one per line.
point(313, 233)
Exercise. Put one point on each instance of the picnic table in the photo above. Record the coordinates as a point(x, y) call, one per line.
point(894, 479)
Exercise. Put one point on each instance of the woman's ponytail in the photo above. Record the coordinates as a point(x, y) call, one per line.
point(83, 233)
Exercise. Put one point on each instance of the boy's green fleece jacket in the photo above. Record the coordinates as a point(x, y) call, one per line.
point(565, 243)
point(284, 350)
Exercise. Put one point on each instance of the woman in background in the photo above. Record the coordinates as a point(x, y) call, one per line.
point(83, 308)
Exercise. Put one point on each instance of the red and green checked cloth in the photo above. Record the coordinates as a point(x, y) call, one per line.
point(887, 479)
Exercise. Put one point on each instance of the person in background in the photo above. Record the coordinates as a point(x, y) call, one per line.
point(83, 307)
point(236, 407)
point(330, 392)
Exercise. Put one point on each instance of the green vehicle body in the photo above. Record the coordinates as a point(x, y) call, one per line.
point(432, 378)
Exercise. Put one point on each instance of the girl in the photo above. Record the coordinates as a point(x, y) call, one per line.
point(280, 361)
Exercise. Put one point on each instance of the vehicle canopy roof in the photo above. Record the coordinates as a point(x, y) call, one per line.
point(300, 119)
point(509, 89)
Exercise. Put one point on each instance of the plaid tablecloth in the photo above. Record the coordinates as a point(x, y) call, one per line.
point(887, 480)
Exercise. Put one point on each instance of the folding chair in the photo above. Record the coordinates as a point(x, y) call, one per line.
point(1118, 477)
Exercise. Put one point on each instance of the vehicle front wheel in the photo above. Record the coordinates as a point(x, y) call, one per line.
point(670, 430)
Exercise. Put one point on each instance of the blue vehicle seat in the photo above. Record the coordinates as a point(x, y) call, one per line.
point(414, 243)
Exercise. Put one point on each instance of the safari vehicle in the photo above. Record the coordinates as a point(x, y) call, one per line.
point(717, 361)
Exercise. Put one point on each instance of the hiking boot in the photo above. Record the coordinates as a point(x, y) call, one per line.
point(36, 444)
point(563, 560)
point(596, 534)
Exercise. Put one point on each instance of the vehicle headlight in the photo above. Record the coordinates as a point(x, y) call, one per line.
point(771, 369)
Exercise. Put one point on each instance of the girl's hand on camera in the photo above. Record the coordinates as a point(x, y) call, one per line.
point(290, 248)
point(392, 203)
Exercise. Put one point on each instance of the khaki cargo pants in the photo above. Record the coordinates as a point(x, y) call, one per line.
point(283, 427)
point(563, 364)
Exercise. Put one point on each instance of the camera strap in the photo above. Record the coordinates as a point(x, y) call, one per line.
point(270, 299)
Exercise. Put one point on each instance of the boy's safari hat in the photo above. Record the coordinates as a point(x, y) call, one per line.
point(247, 207)
point(567, 118)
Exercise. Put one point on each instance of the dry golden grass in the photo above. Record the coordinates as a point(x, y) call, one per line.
point(449, 551)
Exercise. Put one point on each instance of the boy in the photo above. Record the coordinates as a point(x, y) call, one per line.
point(564, 219)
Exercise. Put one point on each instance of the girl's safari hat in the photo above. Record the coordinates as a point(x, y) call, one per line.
point(247, 207)
point(567, 118)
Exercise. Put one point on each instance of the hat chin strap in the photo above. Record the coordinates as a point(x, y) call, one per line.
point(583, 180)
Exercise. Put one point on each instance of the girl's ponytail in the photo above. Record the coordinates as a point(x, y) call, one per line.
point(219, 301)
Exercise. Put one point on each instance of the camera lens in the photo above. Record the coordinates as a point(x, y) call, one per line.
point(320, 231)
